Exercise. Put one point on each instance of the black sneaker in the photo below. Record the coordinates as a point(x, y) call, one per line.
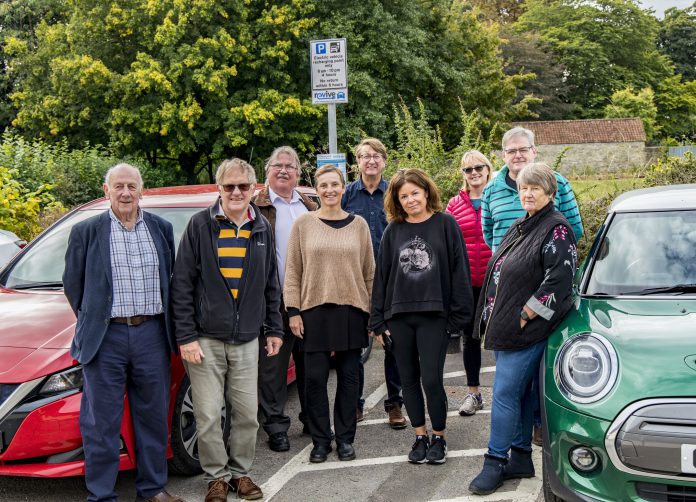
point(437, 454)
point(419, 450)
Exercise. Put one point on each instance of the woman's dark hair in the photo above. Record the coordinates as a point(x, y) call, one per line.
point(392, 205)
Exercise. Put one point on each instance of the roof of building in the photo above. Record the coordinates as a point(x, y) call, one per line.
point(568, 132)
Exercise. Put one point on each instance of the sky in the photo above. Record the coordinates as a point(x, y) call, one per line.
point(659, 6)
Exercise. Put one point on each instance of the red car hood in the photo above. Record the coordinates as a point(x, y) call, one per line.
point(36, 329)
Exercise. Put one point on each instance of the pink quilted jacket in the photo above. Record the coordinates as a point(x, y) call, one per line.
point(469, 221)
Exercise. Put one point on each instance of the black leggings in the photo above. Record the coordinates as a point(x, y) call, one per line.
point(472, 351)
point(420, 346)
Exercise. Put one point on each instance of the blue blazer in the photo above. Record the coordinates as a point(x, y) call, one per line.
point(88, 285)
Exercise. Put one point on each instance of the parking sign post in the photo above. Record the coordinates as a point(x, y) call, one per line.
point(328, 60)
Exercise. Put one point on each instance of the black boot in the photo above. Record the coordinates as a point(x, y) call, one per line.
point(491, 477)
point(520, 464)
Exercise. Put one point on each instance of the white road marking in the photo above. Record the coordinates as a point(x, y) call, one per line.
point(455, 413)
point(527, 491)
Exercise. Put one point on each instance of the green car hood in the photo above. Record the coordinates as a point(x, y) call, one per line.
point(655, 343)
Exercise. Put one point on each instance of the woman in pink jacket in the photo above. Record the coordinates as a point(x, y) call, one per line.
point(466, 209)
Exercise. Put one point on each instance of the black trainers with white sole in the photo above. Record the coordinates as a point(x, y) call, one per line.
point(437, 453)
point(419, 450)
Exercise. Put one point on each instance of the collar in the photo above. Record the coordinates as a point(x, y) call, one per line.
point(382, 185)
point(529, 221)
point(274, 196)
point(113, 217)
point(220, 214)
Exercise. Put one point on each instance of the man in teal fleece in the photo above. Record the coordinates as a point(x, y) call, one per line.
point(500, 203)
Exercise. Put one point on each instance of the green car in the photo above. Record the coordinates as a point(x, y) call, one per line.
point(619, 382)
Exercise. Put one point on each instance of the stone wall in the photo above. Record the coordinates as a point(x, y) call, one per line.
point(595, 156)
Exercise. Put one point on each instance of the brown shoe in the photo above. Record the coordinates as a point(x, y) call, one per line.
point(163, 496)
point(359, 415)
point(536, 437)
point(217, 491)
point(246, 488)
point(396, 418)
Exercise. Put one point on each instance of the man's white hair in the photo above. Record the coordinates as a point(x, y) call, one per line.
point(111, 170)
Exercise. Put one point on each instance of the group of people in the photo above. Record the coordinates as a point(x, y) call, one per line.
point(258, 278)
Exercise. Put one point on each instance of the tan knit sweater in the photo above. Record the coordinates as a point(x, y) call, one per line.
point(328, 265)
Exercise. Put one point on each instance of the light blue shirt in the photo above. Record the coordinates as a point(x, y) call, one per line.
point(286, 214)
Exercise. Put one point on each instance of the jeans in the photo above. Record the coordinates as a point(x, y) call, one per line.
point(513, 402)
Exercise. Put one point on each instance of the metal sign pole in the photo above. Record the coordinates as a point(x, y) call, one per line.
point(333, 142)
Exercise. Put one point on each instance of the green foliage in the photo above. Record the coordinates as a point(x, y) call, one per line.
point(419, 145)
point(605, 46)
point(677, 39)
point(672, 171)
point(21, 207)
point(676, 108)
point(626, 103)
point(170, 80)
point(75, 174)
point(18, 20)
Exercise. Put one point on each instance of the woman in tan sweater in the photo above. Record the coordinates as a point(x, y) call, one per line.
point(328, 280)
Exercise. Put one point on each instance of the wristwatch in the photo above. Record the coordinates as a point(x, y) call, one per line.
point(524, 315)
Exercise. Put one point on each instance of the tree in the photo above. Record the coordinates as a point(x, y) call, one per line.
point(19, 18)
point(186, 81)
point(432, 49)
point(501, 11)
point(626, 103)
point(676, 108)
point(526, 54)
point(677, 39)
point(605, 46)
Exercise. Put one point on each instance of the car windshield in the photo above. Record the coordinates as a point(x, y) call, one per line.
point(646, 254)
point(41, 266)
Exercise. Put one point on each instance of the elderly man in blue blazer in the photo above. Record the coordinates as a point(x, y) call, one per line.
point(117, 270)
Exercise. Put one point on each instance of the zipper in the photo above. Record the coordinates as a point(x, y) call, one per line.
point(508, 250)
point(246, 271)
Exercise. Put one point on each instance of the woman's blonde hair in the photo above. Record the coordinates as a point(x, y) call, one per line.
point(476, 156)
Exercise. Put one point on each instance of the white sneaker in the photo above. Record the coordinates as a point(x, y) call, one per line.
point(472, 403)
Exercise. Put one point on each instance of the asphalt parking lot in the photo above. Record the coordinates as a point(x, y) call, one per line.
point(380, 472)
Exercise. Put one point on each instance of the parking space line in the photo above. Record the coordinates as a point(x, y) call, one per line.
point(376, 421)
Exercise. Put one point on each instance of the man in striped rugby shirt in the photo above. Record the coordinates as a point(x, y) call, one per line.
point(225, 290)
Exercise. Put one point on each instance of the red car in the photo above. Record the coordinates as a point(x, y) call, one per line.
point(41, 385)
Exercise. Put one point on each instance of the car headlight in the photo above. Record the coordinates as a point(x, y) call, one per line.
point(65, 380)
point(586, 368)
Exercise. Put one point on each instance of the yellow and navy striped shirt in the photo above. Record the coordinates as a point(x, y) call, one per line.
point(232, 249)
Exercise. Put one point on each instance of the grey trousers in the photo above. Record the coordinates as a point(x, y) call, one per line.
point(227, 376)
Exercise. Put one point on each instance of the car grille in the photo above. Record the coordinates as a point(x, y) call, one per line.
point(665, 493)
point(6, 391)
point(654, 437)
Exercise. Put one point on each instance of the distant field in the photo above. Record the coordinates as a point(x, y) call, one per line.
point(593, 188)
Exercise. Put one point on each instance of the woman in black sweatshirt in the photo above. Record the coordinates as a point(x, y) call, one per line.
point(421, 291)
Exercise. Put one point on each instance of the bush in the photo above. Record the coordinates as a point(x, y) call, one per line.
point(76, 175)
point(419, 145)
point(22, 209)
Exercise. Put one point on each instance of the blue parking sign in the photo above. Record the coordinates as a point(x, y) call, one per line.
point(321, 48)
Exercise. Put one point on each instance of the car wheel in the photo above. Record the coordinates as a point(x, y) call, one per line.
point(184, 440)
point(548, 494)
point(365, 354)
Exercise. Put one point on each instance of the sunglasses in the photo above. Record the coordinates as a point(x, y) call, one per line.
point(243, 187)
point(478, 168)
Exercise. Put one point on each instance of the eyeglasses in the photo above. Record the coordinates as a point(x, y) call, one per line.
point(478, 168)
point(376, 157)
point(243, 187)
point(280, 167)
point(514, 151)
